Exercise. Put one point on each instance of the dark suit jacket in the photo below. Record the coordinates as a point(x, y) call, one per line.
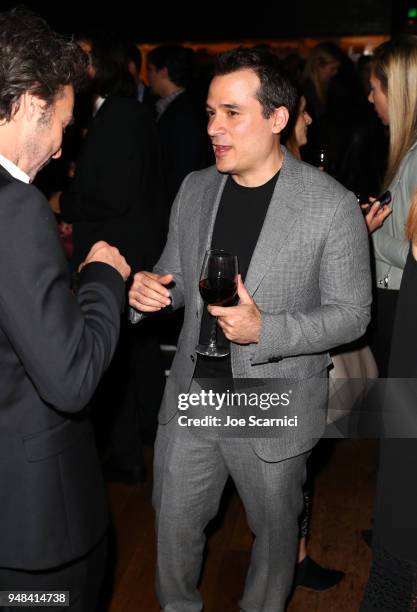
point(184, 142)
point(53, 349)
point(118, 193)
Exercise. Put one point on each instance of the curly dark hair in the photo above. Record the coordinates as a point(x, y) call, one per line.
point(275, 89)
point(35, 59)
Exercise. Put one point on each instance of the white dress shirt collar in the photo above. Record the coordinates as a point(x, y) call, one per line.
point(12, 169)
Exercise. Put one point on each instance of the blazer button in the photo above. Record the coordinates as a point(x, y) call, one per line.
point(192, 358)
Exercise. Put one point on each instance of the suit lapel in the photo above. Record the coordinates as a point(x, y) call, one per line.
point(279, 221)
point(6, 174)
point(208, 211)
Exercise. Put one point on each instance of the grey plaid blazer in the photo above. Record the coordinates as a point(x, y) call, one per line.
point(309, 276)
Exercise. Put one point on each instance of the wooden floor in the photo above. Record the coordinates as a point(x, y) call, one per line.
point(343, 501)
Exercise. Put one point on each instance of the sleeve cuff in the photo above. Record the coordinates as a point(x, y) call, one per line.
point(100, 272)
point(268, 341)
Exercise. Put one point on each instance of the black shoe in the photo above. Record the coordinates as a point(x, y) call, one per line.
point(131, 475)
point(311, 575)
point(367, 536)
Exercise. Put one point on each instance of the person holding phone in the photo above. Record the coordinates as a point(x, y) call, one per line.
point(392, 582)
point(377, 211)
point(394, 96)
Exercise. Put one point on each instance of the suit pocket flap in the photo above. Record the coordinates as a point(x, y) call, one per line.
point(56, 440)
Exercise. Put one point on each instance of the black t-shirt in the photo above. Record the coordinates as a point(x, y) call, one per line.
point(239, 220)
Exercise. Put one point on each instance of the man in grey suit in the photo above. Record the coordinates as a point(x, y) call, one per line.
point(304, 288)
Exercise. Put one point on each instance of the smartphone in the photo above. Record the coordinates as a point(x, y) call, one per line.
point(384, 198)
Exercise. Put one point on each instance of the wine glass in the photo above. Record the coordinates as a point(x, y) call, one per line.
point(218, 286)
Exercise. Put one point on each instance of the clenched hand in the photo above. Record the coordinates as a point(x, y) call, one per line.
point(242, 323)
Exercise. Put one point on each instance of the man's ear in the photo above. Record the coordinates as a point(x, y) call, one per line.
point(280, 118)
point(31, 106)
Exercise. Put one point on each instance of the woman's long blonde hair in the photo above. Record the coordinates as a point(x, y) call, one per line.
point(395, 66)
point(411, 223)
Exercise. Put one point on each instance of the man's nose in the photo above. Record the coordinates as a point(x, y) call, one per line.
point(215, 126)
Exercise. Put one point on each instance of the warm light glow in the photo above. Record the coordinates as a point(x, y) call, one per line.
point(353, 45)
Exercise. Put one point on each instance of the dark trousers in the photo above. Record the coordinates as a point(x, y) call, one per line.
point(82, 578)
point(380, 331)
point(126, 403)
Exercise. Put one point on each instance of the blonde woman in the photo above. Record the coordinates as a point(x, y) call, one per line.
point(394, 96)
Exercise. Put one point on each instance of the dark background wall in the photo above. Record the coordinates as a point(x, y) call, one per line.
point(332, 17)
point(160, 22)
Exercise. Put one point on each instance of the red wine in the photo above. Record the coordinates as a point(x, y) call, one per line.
point(218, 291)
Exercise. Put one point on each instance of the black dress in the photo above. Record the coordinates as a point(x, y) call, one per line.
point(392, 585)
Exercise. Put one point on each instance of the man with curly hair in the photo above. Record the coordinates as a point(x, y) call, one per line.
point(54, 346)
